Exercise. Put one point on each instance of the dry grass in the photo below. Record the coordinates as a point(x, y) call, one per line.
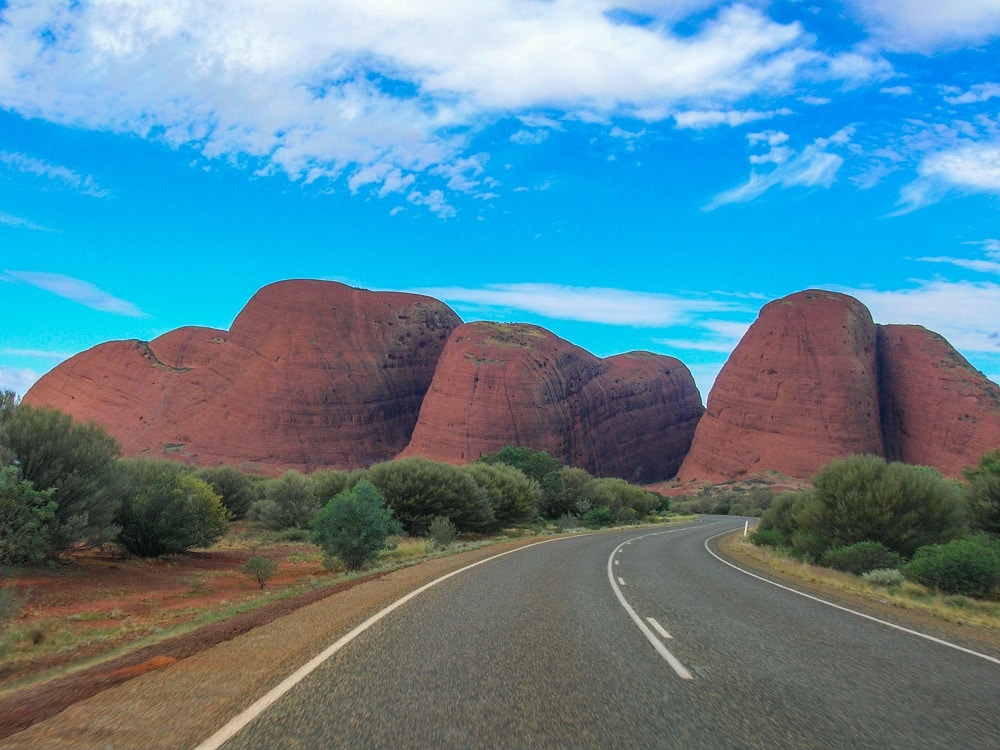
point(960, 610)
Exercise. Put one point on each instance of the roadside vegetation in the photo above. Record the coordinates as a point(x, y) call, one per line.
point(65, 488)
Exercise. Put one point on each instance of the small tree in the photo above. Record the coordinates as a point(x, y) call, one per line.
point(442, 531)
point(354, 526)
point(541, 467)
point(237, 490)
point(25, 515)
point(260, 569)
point(288, 503)
point(512, 495)
point(77, 461)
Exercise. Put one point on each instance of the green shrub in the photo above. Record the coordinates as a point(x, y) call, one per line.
point(237, 490)
point(167, 510)
point(767, 538)
point(329, 483)
point(25, 517)
point(354, 526)
point(889, 577)
point(260, 569)
point(983, 498)
point(568, 521)
point(863, 498)
point(287, 503)
point(76, 461)
point(512, 496)
point(969, 566)
point(599, 518)
point(541, 467)
point(417, 490)
point(860, 557)
point(442, 531)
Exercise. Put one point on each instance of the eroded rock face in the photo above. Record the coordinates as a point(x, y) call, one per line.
point(631, 416)
point(937, 409)
point(311, 374)
point(799, 390)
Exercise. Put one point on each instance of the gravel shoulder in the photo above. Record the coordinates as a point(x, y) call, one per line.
point(180, 703)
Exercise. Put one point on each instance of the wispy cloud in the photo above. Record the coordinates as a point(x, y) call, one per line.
point(35, 353)
point(907, 26)
point(720, 336)
point(17, 379)
point(702, 119)
point(814, 166)
point(586, 304)
point(76, 290)
point(17, 222)
point(980, 92)
point(65, 176)
point(969, 167)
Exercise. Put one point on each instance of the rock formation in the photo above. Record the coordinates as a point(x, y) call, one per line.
point(815, 379)
point(311, 374)
point(631, 415)
point(800, 389)
point(937, 410)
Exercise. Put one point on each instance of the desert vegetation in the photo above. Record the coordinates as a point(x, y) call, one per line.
point(890, 522)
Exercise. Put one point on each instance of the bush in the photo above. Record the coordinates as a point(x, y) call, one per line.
point(260, 569)
point(860, 557)
point(541, 467)
point(863, 498)
point(767, 538)
point(168, 510)
point(237, 490)
point(512, 496)
point(418, 490)
point(969, 566)
point(354, 526)
point(287, 503)
point(599, 518)
point(77, 461)
point(327, 484)
point(983, 498)
point(568, 521)
point(442, 531)
point(780, 517)
point(25, 516)
point(889, 577)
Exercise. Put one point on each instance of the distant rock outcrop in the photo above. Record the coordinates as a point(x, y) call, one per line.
point(799, 390)
point(815, 379)
point(632, 415)
point(311, 374)
point(937, 410)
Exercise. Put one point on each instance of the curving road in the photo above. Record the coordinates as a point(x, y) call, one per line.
point(553, 647)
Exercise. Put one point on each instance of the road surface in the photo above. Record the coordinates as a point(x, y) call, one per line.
point(631, 639)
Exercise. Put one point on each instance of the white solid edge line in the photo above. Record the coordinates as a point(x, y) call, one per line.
point(234, 725)
point(846, 609)
point(659, 628)
point(656, 642)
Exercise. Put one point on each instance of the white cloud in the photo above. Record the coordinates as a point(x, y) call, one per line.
point(378, 90)
point(701, 119)
point(813, 166)
point(928, 25)
point(710, 336)
point(76, 290)
point(981, 92)
point(63, 175)
point(36, 353)
point(17, 222)
point(435, 201)
point(529, 137)
point(896, 90)
point(17, 379)
point(585, 304)
point(966, 167)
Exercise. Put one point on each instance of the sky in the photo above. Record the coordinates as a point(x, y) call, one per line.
point(633, 175)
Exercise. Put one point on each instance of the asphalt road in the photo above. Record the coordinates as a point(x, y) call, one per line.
point(537, 649)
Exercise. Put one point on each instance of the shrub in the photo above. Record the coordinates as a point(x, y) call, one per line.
point(568, 521)
point(237, 490)
point(168, 511)
point(969, 566)
point(77, 461)
point(25, 516)
point(442, 531)
point(983, 498)
point(599, 518)
point(328, 484)
point(767, 538)
point(417, 490)
point(541, 467)
point(287, 503)
point(884, 577)
point(260, 569)
point(860, 557)
point(354, 526)
point(626, 501)
point(512, 496)
point(863, 498)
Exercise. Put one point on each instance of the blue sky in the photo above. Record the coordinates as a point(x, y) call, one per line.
point(630, 175)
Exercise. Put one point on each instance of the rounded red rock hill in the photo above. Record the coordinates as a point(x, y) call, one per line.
point(630, 416)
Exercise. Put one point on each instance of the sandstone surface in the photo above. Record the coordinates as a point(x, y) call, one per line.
point(311, 374)
point(630, 416)
point(799, 390)
point(937, 409)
